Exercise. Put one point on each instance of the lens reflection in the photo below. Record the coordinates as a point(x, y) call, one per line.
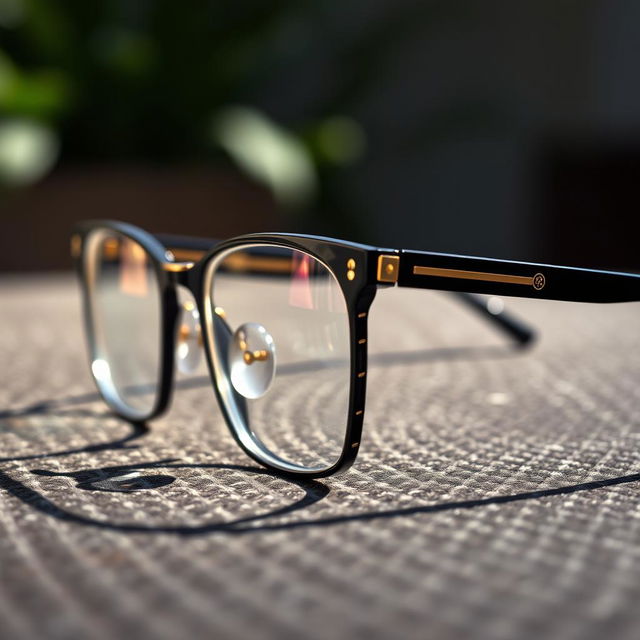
point(282, 353)
point(124, 299)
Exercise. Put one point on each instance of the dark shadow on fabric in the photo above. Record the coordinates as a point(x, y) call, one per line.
point(128, 478)
point(314, 492)
point(138, 430)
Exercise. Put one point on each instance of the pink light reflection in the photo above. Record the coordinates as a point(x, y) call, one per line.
point(300, 289)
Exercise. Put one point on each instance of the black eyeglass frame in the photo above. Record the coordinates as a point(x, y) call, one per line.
point(360, 271)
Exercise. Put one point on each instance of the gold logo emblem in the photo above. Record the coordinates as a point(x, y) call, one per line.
point(539, 281)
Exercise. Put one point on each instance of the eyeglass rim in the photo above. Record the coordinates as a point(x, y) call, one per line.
point(169, 313)
point(357, 367)
point(335, 255)
point(109, 390)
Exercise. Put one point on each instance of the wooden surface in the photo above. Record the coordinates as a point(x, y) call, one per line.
point(496, 493)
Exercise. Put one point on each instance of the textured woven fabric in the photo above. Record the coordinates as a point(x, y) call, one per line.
point(495, 495)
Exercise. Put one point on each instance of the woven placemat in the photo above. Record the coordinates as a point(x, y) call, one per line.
point(495, 496)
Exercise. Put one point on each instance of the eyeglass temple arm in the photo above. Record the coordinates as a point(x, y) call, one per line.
point(186, 248)
point(425, 270)
point(517, 329)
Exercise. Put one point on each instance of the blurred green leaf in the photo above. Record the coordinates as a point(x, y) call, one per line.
point(40, 94)
point(268, 153)
point(28, 150)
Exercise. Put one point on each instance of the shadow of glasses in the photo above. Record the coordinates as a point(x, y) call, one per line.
point(130, 478)
point(314, 492)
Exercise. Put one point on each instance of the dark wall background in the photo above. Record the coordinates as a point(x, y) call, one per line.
point(504, 128)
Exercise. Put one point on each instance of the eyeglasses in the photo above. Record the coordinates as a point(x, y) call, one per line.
point(282, 322)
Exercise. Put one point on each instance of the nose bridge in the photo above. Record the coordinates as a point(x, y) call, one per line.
point(189, 345)
point(180, 270)
point(183, 279)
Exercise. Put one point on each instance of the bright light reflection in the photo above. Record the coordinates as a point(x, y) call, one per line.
point(101, 370)
point(495, 305)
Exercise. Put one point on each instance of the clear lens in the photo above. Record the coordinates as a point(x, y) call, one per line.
point(280, 330)
point(125, 310)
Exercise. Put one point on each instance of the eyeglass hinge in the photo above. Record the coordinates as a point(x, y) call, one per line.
point(388, 268)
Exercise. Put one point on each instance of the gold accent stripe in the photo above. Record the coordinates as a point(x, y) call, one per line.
point(472, 275)
point(243, 261)
point(240, 261)
point(187, 255)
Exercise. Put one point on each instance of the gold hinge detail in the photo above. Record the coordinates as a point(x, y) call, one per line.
point(388, 267)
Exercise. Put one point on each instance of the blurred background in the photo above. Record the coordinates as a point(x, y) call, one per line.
point(500, 128)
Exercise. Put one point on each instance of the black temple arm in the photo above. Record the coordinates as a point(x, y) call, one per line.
point(522, 333)
point(425, 270)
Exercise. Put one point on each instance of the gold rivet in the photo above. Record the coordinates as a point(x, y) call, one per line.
point(362, 340)
point(351, 266)
point(354, 445)
point(359, 412)
point(362, 315)
point(389, 268)
point(362, 374)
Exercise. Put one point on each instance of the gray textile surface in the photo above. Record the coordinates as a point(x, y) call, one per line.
point(495, 496)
